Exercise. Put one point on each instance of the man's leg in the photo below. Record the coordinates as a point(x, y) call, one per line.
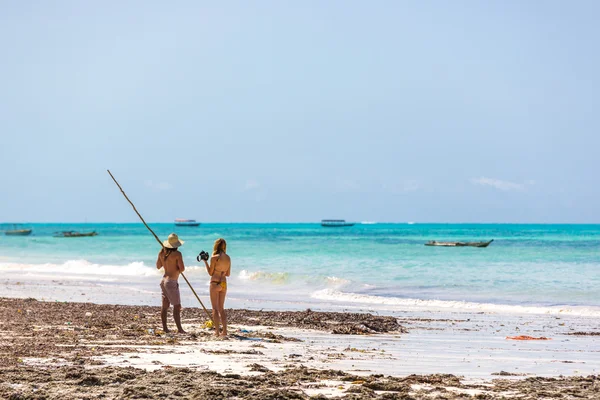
point(163, 313)
point(177, 317)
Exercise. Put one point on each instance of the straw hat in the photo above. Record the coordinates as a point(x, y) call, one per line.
point(173, 241)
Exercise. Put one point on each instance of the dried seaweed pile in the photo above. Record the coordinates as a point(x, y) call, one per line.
point(185, 383)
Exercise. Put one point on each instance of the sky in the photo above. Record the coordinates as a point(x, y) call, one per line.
point(270, 111)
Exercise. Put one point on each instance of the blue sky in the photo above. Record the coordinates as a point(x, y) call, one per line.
point(420, 111)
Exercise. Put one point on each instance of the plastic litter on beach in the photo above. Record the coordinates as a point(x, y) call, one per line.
point(525, 337)
point(240, 337)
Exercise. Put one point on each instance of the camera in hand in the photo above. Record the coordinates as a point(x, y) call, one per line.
point(203, 256)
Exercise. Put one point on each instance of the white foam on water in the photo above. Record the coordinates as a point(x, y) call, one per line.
point(338, 282)
point(81, 267)
point(272, 277)
point(396, 302)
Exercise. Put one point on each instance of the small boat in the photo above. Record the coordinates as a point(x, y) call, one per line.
point(18, 232)
point(458, 244)
point(335, 223)
point(186, 222)
point(70, 234)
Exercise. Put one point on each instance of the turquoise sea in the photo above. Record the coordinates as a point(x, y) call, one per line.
point(532, 266)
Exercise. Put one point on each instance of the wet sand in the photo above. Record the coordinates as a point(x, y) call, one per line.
point(84, 350)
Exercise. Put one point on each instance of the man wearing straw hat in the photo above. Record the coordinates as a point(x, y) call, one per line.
point(171, 259)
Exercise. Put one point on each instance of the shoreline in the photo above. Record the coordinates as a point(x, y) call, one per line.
point(89, 286)
point(88, 347)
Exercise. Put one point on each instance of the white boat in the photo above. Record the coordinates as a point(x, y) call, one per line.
point(186, 222)
point(335, 223)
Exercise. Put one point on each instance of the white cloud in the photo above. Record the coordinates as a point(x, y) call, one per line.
point(251, 184)
point(347, 185)
point(254, 190)
point(409, 185)
point(501, 185)
point(158, 185)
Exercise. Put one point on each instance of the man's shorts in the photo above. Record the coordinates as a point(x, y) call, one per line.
point(170, 291)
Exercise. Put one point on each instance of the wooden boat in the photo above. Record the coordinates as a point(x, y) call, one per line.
point(18, 232)
point(70, 234)
point(335, 223)
point(458, 244)
point(186, 222)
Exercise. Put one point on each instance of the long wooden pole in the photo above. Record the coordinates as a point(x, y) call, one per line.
point(161, 244)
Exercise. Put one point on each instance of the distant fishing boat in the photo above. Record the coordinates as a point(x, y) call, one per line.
point(186, 222)
point(70, 234)
point(458, 244)
point(18, 232)
point(335, 223)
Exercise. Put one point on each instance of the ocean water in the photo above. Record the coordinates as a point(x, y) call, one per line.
point(528, 268)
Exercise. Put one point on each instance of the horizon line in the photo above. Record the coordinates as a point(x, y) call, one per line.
point(308, 222)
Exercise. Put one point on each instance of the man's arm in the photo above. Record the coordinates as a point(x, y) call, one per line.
point(159, 260)
point(180, 264)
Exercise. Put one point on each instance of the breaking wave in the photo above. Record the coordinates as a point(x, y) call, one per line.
point(272, 277)
point(81, 268)
point(396, 302)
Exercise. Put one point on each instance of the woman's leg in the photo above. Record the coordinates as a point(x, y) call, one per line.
point(214, 301)
point(222, 311)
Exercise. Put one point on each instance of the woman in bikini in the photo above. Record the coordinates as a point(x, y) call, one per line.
point(219, 269)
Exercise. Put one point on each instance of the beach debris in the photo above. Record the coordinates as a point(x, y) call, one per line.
point(504, 373)
point(525, 337)
point(88, 314)
point(358, 329)
point(335, 322)
point(208, 324)
point(226, 351)
point(258, 368)
point(354, 349)
point(584, 333)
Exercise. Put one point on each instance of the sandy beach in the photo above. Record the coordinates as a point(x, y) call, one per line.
point(85, 350)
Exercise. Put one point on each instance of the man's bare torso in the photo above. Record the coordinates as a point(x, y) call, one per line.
point(173, 264)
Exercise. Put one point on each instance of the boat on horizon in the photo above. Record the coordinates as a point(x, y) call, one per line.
point(335, 223)
point(458, 244)
point(186, 222)
point(17, 232)
point(71, 234)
